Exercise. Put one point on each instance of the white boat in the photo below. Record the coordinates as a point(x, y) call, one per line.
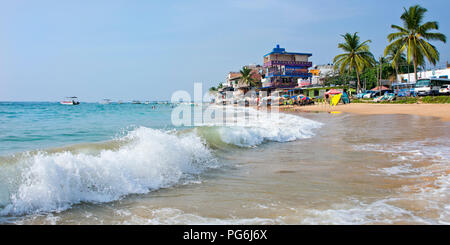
point(105, 101)
point(70, 101)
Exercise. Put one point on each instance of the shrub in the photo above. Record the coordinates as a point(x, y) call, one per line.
point(436, 99)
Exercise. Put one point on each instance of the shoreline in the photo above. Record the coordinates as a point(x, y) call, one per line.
point(441, 111)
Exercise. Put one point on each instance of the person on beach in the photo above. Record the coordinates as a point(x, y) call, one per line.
point(345, 99)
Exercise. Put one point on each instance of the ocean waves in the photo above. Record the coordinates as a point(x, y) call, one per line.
point(250, 127)
point(143, 160)
point(151, 160)
point(422, 168)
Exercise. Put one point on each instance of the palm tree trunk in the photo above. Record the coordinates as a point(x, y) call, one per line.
point(415, 67)
point(381, 75)
point(378, 75)
point(396, 72)
point(381, 71)
point(358, 86)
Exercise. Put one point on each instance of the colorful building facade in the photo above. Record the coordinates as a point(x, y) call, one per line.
point(283, 69)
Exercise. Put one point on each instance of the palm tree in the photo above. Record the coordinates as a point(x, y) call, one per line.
point(413, 37)
point(356, 57)
point(246, 76)
point(396, 58)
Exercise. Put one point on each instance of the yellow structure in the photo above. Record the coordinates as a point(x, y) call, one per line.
point(335, 99)
point(315, 72)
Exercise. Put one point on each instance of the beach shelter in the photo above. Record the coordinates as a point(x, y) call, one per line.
point(333, 91)
point(378, 88)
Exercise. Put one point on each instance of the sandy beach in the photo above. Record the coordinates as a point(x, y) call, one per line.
point(441, 111)
point(307, 168)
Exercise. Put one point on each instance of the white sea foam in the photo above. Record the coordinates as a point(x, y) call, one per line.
point(432, 195)
point(148, 160)
point(380, 211)
point(437, 150)
point(389, 210)
point(251, 127)
point(400, 169)
point(171, 216)
point(151, 160)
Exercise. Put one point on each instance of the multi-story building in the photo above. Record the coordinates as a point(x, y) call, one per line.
point(283, 69)
point(233, 79)
point(321, 72)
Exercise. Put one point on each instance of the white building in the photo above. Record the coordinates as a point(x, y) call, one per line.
point(440, 73)
point(320, 72)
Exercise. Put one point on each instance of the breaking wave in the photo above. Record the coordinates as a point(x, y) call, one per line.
point(53, 182)
point(143, 160)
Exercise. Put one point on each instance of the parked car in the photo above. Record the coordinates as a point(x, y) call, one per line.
point(367, 94)
point(375, 94)
point(445, 89)
point(361, 95)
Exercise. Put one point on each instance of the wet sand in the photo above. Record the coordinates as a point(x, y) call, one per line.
point(441, 111)
point(357, 169)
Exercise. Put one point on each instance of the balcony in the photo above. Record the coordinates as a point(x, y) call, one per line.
point(279, 85)
point(288, 63)
point(288, 74)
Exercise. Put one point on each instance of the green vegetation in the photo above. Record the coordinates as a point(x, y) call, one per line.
point(412, 38)
point(356, 58)
point(246, 74)
point(410, 100)
point(436, 99)
point(396, 57)
point(406, 52)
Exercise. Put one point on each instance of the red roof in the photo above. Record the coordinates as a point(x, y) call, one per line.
point(380, 88)
point(234, 75)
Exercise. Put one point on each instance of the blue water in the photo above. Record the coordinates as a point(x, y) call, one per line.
point(40, 125)
point(139, 152)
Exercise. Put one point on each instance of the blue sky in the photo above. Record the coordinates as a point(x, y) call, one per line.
point(148, 49)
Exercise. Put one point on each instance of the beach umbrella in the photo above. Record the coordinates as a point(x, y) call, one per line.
point(333, 91)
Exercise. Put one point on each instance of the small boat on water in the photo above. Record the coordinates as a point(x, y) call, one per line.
point(70, 101)
point(136, 102)
point(105, 101)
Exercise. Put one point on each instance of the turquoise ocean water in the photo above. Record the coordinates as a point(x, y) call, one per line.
point(55, 156)
point(40, 125)
point(127, 164)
